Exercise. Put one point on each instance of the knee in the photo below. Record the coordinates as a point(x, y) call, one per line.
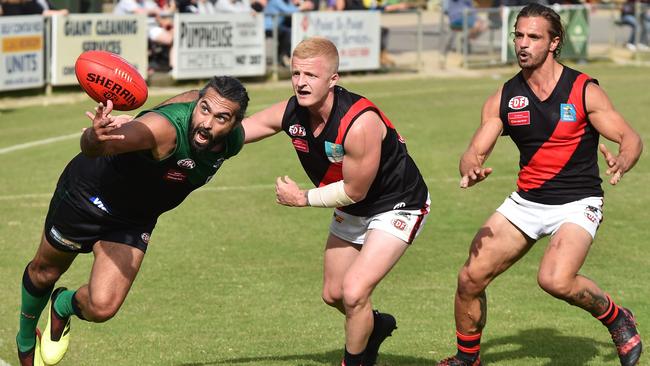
point(99, 311)
point(332, 296)
point(354, 296)
point(471, 283)
point(555, 285)
point(42, 274)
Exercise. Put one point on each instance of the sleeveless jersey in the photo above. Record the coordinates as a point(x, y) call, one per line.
point(137, 188)
point(557, 144)
point(398, 184)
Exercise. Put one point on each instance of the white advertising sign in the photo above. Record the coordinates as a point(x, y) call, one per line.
point(218, 44)
point(125, 35)
point(21, 52)
point(355, 33)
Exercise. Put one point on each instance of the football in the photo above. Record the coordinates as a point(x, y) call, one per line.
point(105, 75)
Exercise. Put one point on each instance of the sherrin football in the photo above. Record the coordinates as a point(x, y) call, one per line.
point(105, 75)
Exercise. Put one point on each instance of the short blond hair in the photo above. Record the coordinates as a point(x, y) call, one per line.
point(317, 47)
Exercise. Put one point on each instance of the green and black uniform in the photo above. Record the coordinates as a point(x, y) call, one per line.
point(119, 198)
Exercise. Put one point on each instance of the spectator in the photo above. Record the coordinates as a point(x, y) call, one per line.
point(233, 6)
point(160, 33)
point(628, 17)
point(455, 10)
point(29, 7)
point(275, 8)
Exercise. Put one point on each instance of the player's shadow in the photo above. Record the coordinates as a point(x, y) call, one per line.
point(546, 343)
point(328, 358)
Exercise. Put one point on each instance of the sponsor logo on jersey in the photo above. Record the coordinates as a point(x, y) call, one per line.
point(400, 138)
point(334, 152)
point(399, 224)
point(186, 163)
point(56, 235)
point(519, 118)
point(174, 175)
point(99, 204)
point(297, 130)
point(300, 145)
point(518, 102)
point(568, 113)
point(145, 237)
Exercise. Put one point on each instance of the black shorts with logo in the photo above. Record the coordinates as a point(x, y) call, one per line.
point(77, 227)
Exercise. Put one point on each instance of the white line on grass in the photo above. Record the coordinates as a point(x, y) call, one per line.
point(4, 363)
point(27, 145)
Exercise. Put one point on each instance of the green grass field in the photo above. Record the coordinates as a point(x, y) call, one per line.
point(232, 278)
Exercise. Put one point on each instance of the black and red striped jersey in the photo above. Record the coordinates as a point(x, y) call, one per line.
point(398, 184)
point(557, 144)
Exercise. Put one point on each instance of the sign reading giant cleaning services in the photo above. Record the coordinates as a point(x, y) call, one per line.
point(356, 34)
point(218, 44)
point(125, 35)
point(21, 52)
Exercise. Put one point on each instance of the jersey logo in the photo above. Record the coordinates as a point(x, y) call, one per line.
point(519, 118)
point(99, 204)
point(297, 130)
point(186, 163)
point(518, 102)
point(175, 176)
point(300, 145)
point(334, 152)
point(217, 164)
point(568, 113)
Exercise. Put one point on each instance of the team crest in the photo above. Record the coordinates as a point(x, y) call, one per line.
point(297, 130)
point(334, 152)
point(568, 113)
point(186, 163)
point(145, 237)
point(518, 102)
point(399, 224)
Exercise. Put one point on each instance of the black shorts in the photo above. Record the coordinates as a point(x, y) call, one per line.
point(75, 229)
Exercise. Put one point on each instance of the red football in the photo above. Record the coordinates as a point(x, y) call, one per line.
point(105, 75)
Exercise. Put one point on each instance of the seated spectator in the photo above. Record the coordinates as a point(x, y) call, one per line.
point(233, 6)
point(29, 7)
point(628, 17)
point(159, 26)
point(274, 8)
point(455, 9)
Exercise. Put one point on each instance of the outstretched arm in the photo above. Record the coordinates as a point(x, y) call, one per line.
point(264, 123)
point(109, 136)
point(471, 163)
point(613, 126)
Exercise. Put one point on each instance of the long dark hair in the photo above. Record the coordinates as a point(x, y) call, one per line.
point(231, 89)
point(556, 29)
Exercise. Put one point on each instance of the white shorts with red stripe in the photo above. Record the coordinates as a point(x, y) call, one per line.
point(403, 224)
point(538, 220)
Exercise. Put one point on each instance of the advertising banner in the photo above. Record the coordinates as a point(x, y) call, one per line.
point(218, 44)
point(21, 52)
point(355, 33)
point(125, 35)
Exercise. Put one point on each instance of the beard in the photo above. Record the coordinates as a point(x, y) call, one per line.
point(205, 133)
point(531, 61)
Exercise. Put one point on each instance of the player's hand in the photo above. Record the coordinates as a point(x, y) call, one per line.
point(288, 193)
point(104, 122)
point(473, 176)
point(616, 165)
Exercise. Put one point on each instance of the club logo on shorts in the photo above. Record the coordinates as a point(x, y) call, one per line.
point(518, 102)
point(145, 237)
point(297, 130)
point(568, 113)
point(186, 163)
point(334, 152)
point(399, 205)
point(593, 214)
point(99, 204)
point(399, 224)
point(338, 218)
